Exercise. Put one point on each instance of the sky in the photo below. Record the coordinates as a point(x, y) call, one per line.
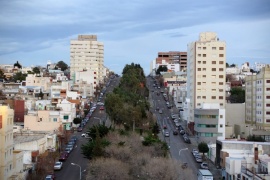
point(33, 32)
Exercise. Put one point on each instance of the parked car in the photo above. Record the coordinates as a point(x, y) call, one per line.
point(160, 111)
point(167, 134)
point(169, 106)
point(157, 108)
point(70, 146)
point(63, 156)
point(50, 177)
point(182, 132)
point(198, 159)
point(79, 129)
point(175, 132)
point(100, 104)
point(194, 151)
point(58, 165)
point(204, 165)
point(187, 140)
point(73, 138)
point(173, 116)
point(164, 127)
point(68, 150)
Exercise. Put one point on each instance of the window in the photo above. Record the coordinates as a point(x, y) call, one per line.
point(204, 76)
point(267, 112)
point(267, 81)
point(221, 55)
point(199, 48)
point(213, 69)
point(221, 116)
point(267, 105)
point(220, 90)
point(221, 48)
point(220, 83)
point(213, 90)
point(221, 62)
point(198, 104)
point(199, 69)
point(95, 77)
point(214, 48)
point(54, 119)
point(220, 97)
point(95, 72)
point(213, 97)
point(204, 97)
point(204, 62)
point(221, 125)
point(199, 55)
point(214, 62)
point(199, 62)
point(220, 69)
point(204, 69)
point(94, 82)
point(204, 55)
point(198, 97)
point(66, 117)
point(267, 97)
point(204, 48)
point(220, 76)
point(198, 83)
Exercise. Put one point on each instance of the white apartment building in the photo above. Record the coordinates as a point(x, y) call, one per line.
point(171, 67)
point(258, 102)
point(206, 74)
point(86, 54)
point(11, 162)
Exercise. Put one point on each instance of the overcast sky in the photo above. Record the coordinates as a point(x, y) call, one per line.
point(33, 31)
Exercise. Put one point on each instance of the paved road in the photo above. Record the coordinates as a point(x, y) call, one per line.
point(71, 172)
point(176, 143)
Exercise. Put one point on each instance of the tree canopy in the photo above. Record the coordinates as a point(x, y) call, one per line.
point(128, 102)
point(17, 64)
point(62, 65)
point(162, 69)
point(36, 70)
point(203, 147)
point(237, 95)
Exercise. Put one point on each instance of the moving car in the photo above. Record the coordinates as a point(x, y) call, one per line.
point(160, 111)
point(167, 134)
point(58, 165)
point(101, 108)
point(50, 177)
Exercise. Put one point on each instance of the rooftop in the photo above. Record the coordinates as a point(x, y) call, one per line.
point(26, 138)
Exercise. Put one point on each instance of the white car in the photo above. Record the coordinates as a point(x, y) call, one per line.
point(167, 134)
point(58, 165)
point(100, 103)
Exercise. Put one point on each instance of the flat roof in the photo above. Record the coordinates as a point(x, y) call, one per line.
point(26, 138)
point(205, 172)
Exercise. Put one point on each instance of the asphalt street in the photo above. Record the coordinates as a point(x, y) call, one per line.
point(72, 172)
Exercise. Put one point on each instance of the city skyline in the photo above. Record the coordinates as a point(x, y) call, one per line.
point(34, 32)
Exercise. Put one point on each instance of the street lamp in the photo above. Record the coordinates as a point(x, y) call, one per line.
point(182, 150)
point(80, 169)
point(99, 119)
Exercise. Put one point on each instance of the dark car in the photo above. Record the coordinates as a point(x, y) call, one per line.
point(187, 140)
point(175, 132)
point(63, 156)
point(182, 132)
point(79, 129)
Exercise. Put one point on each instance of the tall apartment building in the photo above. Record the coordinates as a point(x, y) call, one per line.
point(206, 82)
point(173, 57)
point(258, 100)
point(87, 54)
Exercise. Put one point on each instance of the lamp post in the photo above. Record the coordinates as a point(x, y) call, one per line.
point(99, 119)
point(80, 169)
point(182, 150)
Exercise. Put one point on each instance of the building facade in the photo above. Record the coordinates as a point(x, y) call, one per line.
point(87, 54)
point(206, 73)
point(173, 57)
point(258, 101)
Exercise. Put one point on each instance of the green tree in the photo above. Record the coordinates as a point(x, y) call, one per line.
point(155, 129)
point(17, 64)
point(203, 147)
point(237, 95)
point(62, 65)
point(255, 138)
point(227, 65)
point(232, 65)
point(19, 77)
point(97, 149)
point(77, 120)
point(162, 69)
point(36, 70)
